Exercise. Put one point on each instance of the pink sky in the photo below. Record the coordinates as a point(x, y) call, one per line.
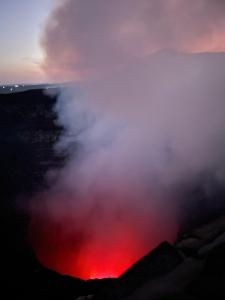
point(72, 40)
point(83, 39)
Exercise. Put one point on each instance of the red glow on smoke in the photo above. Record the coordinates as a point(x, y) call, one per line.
point(84, 259)
point(97, 261)
point(89, 252)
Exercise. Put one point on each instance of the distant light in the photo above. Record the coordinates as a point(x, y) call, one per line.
point(16, 85)
point(3, 87)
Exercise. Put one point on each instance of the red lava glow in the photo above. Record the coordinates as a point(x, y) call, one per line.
point(102, 244)
point(82, 256)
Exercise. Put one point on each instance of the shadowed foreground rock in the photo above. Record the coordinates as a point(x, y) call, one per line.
point(156, 264)
point(175, 272)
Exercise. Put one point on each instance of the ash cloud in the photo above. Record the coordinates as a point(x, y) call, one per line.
point(141, 131)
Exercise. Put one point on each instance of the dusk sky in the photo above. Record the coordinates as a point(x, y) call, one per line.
point(20, 53)
point(83, 38)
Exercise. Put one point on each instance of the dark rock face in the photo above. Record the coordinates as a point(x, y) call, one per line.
point(156, 264)
point(27, 135)
point(192, 269)
point(159, 262)
point(211, 283)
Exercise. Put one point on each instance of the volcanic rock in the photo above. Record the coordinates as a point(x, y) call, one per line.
point(161, 261)
point(202, 277)
point(171, 272)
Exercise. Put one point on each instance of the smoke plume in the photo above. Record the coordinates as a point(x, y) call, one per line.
point(86, 38)
point(141, 130)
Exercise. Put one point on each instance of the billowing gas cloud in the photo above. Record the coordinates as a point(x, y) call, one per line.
point(84, 38)
point(140, 133)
